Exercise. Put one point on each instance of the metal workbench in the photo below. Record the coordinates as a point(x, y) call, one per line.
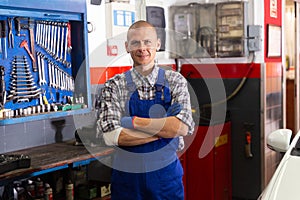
point(53, 157)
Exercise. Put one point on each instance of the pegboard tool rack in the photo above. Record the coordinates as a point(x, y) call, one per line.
point(44, 61)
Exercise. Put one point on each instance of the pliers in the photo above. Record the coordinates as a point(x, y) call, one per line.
point(10, 34)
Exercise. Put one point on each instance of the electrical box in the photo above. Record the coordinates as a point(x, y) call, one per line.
point(44, 60)
point(231, 29)
point(254, 37)
point(206, 32)
point(156, 16)
point(194, 28)
point(209, 30)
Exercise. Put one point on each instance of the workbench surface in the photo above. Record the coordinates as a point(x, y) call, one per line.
point(54, 157)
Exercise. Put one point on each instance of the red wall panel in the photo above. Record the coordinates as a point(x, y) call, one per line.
point(230, 70)
point(272, 21)
point(101, 74)
point(209, 177)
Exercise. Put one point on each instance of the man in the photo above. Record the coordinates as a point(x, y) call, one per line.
point(143, 112)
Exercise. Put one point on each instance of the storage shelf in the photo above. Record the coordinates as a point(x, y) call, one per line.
point(46, 115)
point(53, 157)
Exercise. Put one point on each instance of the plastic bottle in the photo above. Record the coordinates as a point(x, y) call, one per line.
point(39, 188)
point(69, 187)
point(48, 195)
point(30, 187)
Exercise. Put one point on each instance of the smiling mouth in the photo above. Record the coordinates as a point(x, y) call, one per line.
point(143, 56)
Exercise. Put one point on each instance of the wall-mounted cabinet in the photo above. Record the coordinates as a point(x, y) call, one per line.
point(231, 29)
point(43, 57)
point(209, 30)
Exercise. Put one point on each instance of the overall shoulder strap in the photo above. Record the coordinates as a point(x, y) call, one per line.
point(160, 82)
point(130, 84)
point(131, 87)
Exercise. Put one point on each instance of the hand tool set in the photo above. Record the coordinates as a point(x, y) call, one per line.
point(13, 161)
point(35, 67)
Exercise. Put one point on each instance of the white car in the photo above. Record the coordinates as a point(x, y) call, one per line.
point(284, 184)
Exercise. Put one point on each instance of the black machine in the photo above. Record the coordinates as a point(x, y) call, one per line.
point(87, 135)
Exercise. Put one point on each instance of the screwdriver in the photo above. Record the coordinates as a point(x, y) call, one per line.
point(2, 87)
point(3, 38)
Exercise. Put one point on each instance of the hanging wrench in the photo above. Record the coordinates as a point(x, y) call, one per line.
point(39, 67)
point(54, 40)
point(62, 43)
point(49, 38)
point(52, 37)
point(37, 32)
point(54, 71)
point(58, 77)
point(58, 42)
point(50, 74)
point(66, 42)
point(43, 69)
point(43, 32)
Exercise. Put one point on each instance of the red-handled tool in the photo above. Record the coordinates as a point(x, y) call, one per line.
point(31, 35)
point(69, 38)
point(248, 145)
point(25, 45)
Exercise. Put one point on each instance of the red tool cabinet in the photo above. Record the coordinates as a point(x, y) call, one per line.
point(208, 178)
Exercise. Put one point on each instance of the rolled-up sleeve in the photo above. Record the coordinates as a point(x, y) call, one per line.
point(180, 94)
point(110, 110)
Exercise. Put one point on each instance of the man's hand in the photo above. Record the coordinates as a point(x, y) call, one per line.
point(174, 109)
point(127, 122)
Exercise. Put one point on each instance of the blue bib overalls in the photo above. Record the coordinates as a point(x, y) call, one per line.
point(150, 171)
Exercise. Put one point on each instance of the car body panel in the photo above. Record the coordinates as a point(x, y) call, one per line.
point(284, 184)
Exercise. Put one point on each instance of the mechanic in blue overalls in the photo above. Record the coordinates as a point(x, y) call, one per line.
point(144, 113)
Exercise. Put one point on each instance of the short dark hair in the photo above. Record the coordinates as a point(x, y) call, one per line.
point(141, 24)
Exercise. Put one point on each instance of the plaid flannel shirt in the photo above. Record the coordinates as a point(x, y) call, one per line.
point(114, 95)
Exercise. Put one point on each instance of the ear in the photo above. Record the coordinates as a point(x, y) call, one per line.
point(126, 47)
point(158, 44)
